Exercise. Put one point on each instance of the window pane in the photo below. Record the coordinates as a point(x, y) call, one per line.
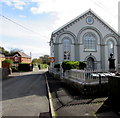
point(66, 48)
point(89, 41)
point(110, 48)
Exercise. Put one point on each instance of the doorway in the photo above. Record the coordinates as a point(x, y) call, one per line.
point(90, 65)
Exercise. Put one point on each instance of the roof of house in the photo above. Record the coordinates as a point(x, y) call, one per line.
point(22, 54)
point(78, 17)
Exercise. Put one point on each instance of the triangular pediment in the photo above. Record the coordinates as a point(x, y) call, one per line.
point(80, 17)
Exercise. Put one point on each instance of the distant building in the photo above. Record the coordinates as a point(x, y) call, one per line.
point(19, 57)
point(86, 38)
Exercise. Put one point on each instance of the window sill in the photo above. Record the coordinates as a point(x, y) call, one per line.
point(90, 50)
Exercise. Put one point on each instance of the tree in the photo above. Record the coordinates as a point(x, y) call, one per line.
point(36, 61)
point(9, 53)
point(42, 60)
point(45, 59)
point(13, 51)
point(3, 51)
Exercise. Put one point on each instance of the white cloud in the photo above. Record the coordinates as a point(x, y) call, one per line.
point(16, 3)
point(66, 10)
point(18, 37)
point(8, 3)
point(33, 29)
point(22, 16)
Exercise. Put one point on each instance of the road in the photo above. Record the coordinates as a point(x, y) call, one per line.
point(25, 94)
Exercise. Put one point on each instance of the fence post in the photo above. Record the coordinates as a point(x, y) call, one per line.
point(99, 84)
point(99, 80)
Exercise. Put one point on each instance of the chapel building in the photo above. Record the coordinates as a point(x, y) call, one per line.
point(86, 38)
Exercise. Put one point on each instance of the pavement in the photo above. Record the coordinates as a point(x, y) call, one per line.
point(68, 101)
point(25, 94)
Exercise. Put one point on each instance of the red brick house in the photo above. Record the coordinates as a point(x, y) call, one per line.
point(19, 57)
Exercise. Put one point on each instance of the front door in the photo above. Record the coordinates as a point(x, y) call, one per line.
point(90, 62)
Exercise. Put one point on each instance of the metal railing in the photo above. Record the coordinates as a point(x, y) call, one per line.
point(88, 75)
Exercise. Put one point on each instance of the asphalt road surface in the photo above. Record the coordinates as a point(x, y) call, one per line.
point(25, 94)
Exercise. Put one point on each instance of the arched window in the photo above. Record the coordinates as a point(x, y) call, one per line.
point(89, 42)
point(110, 47)
point(66, 49)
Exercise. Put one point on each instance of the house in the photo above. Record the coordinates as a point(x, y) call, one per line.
point(86, 38)
point(19, 57)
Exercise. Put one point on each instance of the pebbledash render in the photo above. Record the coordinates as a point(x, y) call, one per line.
point(86, 38)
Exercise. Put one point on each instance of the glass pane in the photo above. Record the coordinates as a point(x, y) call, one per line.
point(89, 41)
point(110, 48)
point(66, 48)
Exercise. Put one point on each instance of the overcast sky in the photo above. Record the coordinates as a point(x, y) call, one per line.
point(31, 22)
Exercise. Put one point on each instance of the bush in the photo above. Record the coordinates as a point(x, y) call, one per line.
point(67, 65)
point(82, 65)
point(43, 66)
point(8, 61)
point(57, 66)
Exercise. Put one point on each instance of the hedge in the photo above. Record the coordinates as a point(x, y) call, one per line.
point(82, 65)
point(67, 65)
point(42, 66)
point(24, 67)
point(57, 66)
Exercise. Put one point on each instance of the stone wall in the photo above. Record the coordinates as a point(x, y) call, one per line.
point(4, 72)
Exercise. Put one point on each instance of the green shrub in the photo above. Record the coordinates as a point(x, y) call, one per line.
point(82, 65)
point(43, 66)
point(8, 61)
point(67, 65)
point(57, 66)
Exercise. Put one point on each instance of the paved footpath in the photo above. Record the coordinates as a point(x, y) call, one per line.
point(25, 94)
point(69, 102)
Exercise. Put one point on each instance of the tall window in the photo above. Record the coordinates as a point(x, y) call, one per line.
point(110, 47)
point(66, 49)
point(89, 42)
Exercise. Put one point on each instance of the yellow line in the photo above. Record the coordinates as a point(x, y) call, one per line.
point(50, 99)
